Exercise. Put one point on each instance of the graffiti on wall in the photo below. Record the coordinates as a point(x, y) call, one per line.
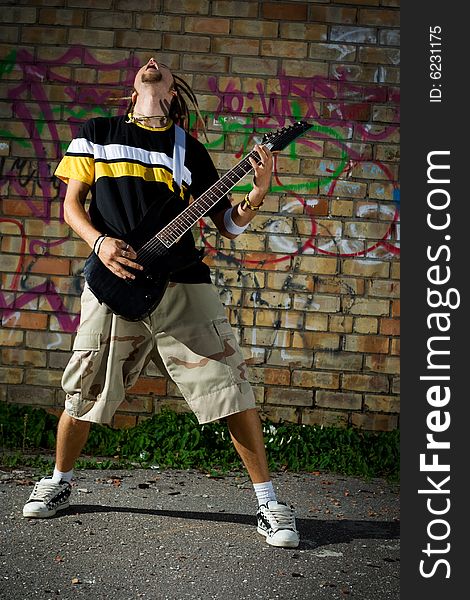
point(298, 99)
point(30, 181)
point(48, 105)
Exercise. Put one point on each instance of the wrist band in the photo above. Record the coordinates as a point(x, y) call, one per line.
point(97, 245)
point(230, 225)
point(97, 240)
point(246, 203)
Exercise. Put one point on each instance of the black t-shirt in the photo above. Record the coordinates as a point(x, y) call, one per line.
point(129, 168)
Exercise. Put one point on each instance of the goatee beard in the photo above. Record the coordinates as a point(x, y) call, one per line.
point(151, 76)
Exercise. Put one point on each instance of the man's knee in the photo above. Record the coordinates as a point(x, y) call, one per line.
point(70, 421)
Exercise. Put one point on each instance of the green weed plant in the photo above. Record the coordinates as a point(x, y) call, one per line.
point(176, 440)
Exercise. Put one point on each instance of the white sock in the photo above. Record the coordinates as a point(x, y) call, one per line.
point(59, 476)
point(264, 492)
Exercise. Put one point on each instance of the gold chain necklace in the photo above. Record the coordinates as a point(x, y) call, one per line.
point(133, 118)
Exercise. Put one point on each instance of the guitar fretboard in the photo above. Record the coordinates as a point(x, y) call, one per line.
point(172, 232)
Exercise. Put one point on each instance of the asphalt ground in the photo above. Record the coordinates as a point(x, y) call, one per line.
point(172, 535)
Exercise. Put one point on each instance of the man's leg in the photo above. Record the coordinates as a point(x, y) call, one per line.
point(247, 436)
point(276, 520)
point(72, 435)
point(51, 494)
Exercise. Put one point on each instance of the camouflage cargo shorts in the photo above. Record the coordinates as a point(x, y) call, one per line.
point(188, 337)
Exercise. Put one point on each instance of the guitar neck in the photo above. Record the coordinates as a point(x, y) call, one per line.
point(172, 232)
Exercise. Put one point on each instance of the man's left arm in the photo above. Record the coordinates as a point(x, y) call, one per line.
point(233, 221)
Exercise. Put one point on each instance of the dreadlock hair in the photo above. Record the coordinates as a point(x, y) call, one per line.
point(179, 110)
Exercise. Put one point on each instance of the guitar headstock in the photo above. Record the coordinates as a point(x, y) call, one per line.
point(280, 139)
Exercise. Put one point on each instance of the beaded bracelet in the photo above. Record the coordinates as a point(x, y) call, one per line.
point(246, 203)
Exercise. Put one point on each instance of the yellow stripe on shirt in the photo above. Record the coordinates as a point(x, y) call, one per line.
point(128, 169)
point(76, 167)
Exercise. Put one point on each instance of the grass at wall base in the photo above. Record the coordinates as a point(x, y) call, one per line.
point(172, 440)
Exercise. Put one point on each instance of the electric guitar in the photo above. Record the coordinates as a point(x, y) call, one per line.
point(166, 252)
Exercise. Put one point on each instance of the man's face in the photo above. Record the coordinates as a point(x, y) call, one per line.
point(155, 80)
point(156, 75)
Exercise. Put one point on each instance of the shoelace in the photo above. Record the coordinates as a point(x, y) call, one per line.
point(43, 491)
point(284, 516)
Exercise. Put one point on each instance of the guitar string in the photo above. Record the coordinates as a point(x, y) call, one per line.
point(199, 207)
point(167, 230)
point(156, 245)
point(149, 250)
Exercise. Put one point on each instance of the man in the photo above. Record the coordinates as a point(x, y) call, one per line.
point(129, 164)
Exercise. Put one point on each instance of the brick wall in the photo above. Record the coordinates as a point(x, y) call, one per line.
point(312, 288)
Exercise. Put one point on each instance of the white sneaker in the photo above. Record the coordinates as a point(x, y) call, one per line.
point(276, 521)
point(47, 498)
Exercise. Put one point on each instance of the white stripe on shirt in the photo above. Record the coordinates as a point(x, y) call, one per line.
point(117, 152)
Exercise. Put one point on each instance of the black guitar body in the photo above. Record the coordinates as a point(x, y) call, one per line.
point(135, 299)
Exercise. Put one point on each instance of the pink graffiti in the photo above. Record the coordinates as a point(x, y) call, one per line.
point(34, 246)
point(278, 108)
point(67, 322)
point(47, 289)
point(20, 227)
point(309, 243)
point(32, 82)
point(347, 104)
point(84, 97)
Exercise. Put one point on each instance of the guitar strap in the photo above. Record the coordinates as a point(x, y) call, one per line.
point(179, 152)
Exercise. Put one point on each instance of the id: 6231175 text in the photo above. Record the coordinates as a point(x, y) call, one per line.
point(435, 63)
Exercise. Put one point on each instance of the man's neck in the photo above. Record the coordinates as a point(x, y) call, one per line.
point(151, 106)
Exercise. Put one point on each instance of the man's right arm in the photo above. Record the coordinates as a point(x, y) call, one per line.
point(113, 253)
point(75, 214)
